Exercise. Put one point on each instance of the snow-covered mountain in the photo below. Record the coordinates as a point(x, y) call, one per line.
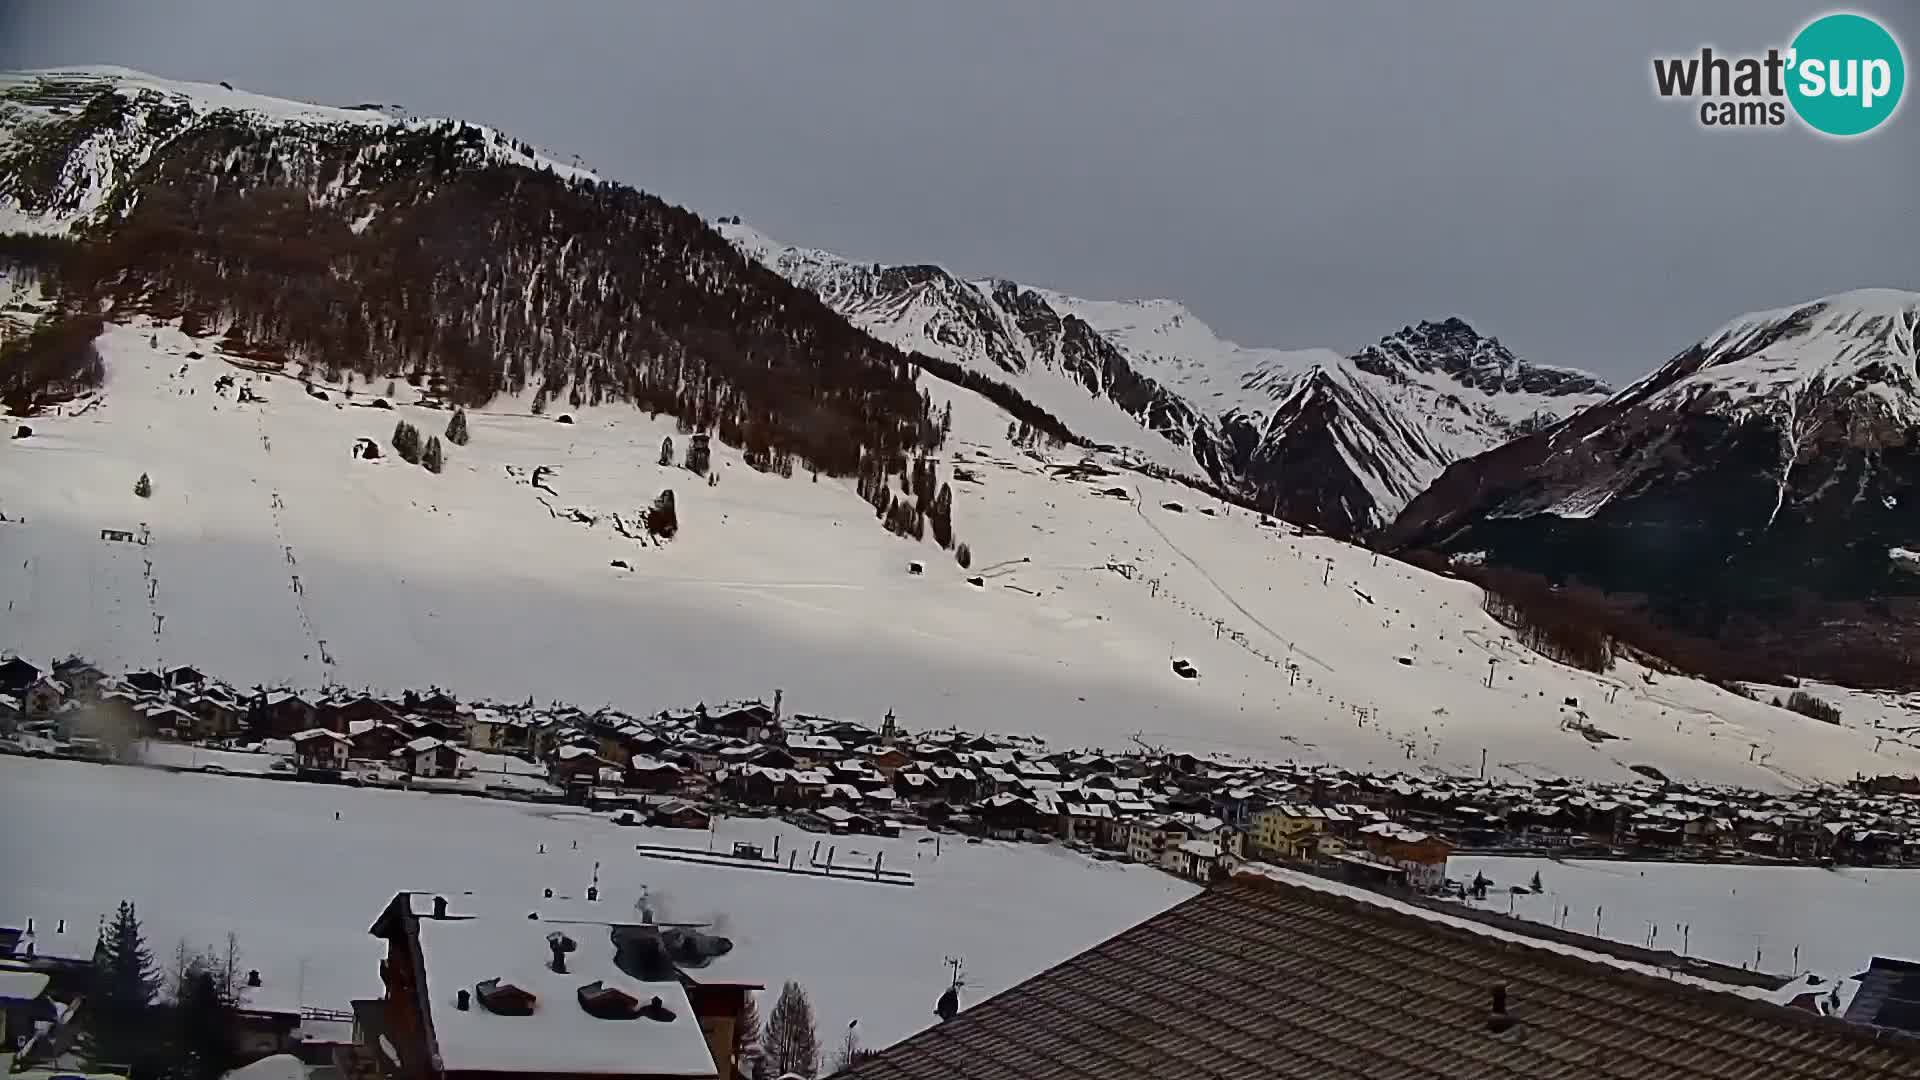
point(273, 554)
point(1338, 442)
point(81, 134)
point(1768, 473)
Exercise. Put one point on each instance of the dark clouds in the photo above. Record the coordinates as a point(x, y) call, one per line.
point(1299, 178)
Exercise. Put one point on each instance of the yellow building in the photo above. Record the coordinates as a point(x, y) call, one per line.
point(1288, 831)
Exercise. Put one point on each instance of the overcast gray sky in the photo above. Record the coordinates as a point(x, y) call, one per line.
point(1297, 174)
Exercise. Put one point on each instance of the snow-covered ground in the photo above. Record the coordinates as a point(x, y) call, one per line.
point(275, 556)
point(203, 856)
point(1780, 919)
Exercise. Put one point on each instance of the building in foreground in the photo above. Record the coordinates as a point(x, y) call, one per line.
point(556, 994)
point(1280, 976)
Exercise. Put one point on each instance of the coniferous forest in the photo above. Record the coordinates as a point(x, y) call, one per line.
point(412, 253)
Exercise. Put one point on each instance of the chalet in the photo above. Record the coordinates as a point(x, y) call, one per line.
point(751, 722)
point(888, 760)
point(1270, 964)
point(811, 750)
point(1010, 817)
point(1423, 856)
point(185, 678)
point(147, 682)
point(44, 696)
point(490, 730)
point(956, 784)
point(1091, 822)
point(343, 714)
point(318, 748)
point(432, 727)
point(163, 720)
point(560, 996)
point(278, 714)
point(11, 713)
point(82, 678)
point(652, 774)
point(17, 674)
point(573, 765)
point(371, 741)
point(837, 819)
point(678, 814)
point(428, 757)
point(219, 715)
point(1204, 861)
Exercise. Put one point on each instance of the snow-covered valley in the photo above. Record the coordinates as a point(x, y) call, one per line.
point(275, 556)
point(203, 856)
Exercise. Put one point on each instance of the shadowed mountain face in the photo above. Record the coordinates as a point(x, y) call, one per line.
point(1762, 488)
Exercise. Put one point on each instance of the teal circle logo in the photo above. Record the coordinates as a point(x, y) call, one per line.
point(1845, 75)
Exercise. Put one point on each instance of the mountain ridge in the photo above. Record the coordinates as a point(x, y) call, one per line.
point(1367, 435)
point(1754, 489)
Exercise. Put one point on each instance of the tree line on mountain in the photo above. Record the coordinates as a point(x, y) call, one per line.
point(383, 251)
point(1587, 627)
point(53, 362)
point(392, 280)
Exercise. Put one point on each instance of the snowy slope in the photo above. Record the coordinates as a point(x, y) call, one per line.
point(478, 580)
point(35, 106)
point(1337, 441)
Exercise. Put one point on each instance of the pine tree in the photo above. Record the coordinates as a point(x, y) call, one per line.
point(205, 1028)
point(406, 442)
point(125, 983)
point(666, 452)
point(791, 1045)
point(941, 516)
point(143, 487)
point(746, 1038)
point(434, 458)
point(457, 428)
point(963, 555)
point(1537, 887)
point(662, 519)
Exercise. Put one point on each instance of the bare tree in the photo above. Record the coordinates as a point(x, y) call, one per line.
point(791, 1044)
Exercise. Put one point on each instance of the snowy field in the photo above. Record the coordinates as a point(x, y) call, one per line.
point(1837, 920)
point(202, 856)
point(276, 557)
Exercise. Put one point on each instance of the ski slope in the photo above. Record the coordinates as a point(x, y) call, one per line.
point(273, 556)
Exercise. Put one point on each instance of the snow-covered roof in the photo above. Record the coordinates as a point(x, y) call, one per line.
point(272, 1067)
point(560, 1036)
point(21, 985)
point(1202, 849)
point(312, 734)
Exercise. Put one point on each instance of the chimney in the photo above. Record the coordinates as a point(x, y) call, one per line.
point(253, 977)
point(1498, 1019)
point(439, 907)
point(561, 945)
point(463, 1001)
point(61, 928)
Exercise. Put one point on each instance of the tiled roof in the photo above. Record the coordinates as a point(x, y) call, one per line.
point(1261, 980)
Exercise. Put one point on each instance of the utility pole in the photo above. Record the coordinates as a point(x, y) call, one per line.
point(1490, 662)
point(1483, 763)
